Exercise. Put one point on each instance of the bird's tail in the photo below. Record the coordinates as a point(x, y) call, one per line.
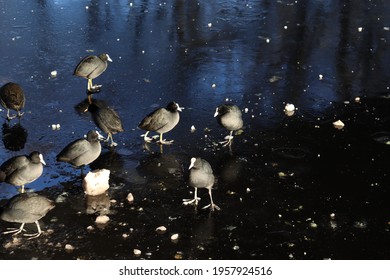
point(2, 176)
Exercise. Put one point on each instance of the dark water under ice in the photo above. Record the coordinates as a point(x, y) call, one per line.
point(289, 188)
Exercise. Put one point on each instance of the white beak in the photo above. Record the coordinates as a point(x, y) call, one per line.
point(179, 108)
point(109, 58)
point(216, 113)
point(41, 159)
point(100, 137)
point(192, 163)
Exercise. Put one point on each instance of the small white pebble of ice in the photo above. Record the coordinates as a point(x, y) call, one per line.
point(213, 85)
point(360, 29)
point(69, 247)
point(130, 198)
point(137, 252)
point(246, 110)
point(55, 126)
point(289, 107)
point(103, 219)
point(357, 99)
point(210, 24)
point(338, 124)
point(174, 236)
point(161, 229)
point(53, 73)
point(193, 128)
point(320, 77)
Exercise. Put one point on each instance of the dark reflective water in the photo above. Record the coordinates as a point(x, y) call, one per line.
point(289, 187)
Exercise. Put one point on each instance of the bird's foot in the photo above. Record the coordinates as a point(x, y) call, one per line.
point(95, 88)
point(113, 144)
point(147, 139)
point(212, 206)
point(32, 235)
point(8, 118)
point(226, 143)
point(166, 142)
point(189, 201)
point(15, 231)
point(20, 114)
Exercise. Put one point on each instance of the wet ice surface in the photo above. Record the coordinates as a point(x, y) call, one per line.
point(290, 187)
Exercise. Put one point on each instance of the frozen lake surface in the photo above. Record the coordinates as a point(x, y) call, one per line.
point(290, 187)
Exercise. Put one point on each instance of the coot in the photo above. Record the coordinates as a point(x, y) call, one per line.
point(22, 170)
point(91, 67)
point(161, 120)
point(82, 151)
point(12, 98)
point(201, 176)
point(229, 116)
point(107, 119)
point(26, 208)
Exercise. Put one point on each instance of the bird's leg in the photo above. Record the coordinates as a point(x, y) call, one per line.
point(113, 144)
point(20, 114)
point(93, 88)
point(146, 138)
point(14, 231)
point(161, 149)
point(10, 117)
point(89, 98)
point(164, 141)
point(192, 201)
point(90, 85)
point(228, 138)
point(22, 190)
point(211, 205)
point(82, 171)
point(34, 235)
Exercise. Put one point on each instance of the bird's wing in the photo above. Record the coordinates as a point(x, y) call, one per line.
point(154, 121)
point(13, 164)
point(72, 151)
point(86, 66)
point(207, 167)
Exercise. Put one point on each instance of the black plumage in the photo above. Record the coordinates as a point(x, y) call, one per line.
point(201, 176)
point(26, 208)
point(91, 67)
point(22, 170)
point(161, 121)
point(230, 117)
point(107, 119)
point(82, 151)
point(12, 98)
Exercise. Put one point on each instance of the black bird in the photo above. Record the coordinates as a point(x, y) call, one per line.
point(91, 67)
point(82, 151)
point(22, 170)
point(229, 116)
point(26, 208)
point(201, 176)
point(161, 120)
point(107, 119)
point(12, 98)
